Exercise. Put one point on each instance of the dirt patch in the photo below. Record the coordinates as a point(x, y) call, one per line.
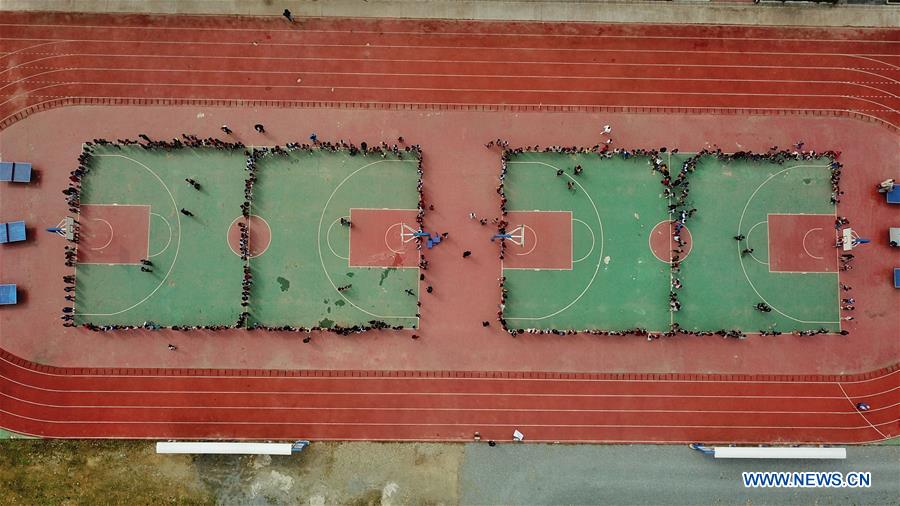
point(130, 472)
point(96, 472)
point(339, 473)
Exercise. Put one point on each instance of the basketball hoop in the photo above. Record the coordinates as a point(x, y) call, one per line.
point(407, 233)
point(517, 236)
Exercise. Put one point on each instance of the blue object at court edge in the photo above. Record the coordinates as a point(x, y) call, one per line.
point(8, 294)
point(6, 171)
point(17, 172)
point(893, 196)
point(896, 277)
point(21, 172)
point(13, 231)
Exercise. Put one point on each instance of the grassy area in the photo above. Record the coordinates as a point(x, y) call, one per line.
point(50, 472)
point(5, 434)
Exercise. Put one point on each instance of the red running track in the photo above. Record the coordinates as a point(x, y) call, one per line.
point(72, 403)
point(50, 60)
point(54, 60)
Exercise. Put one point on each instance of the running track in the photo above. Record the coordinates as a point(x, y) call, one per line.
point(59, 61)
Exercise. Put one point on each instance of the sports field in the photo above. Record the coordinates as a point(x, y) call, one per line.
point(606, 265)
point(299, 251)
point(303, 196)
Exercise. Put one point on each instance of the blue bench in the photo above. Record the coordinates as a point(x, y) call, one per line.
point(896, 277)
point(893, 196)
point(17, 172)
point(13, 231)
point(7, 294)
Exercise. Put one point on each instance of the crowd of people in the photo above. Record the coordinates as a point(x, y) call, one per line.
point(676, 189)
point(253, 155)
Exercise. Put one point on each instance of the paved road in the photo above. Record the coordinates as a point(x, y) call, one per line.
point(670, 475)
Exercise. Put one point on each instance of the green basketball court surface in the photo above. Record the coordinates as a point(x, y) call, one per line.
point(131, 201)
point(615, 282)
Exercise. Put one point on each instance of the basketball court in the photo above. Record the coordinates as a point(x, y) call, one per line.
point(318, 272)
point(600, 255)
point(579, 258)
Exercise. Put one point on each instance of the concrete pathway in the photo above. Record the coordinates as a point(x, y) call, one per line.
point(671, 475)
point(731, 12)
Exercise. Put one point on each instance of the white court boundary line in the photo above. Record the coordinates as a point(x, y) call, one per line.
point(177, 246)
point(351, 266)
point(112, 234)
point(525, 228)
point(740, 261)
point(768, 243)
point(599, 258)
point(110, 226)
point(328, 238)
point(805, 250)
point(249, 223)
point(169, 225)
point(319, 241)
point(593, 241)
point(570, 221)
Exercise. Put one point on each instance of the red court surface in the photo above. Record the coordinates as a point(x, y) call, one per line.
point(114, 234)
point(542, 240)
point(383, 238)
point(663, 243)
point(259, 235)
point(450, 87)
point(802, 243)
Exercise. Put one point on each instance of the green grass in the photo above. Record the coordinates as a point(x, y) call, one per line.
point(196, 279)
point(618, 286)
point(5, 434)
point(301, 196)
point(631, 286)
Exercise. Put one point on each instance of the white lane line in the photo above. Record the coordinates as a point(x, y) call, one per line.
point(863, 415)
point(427, 424)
